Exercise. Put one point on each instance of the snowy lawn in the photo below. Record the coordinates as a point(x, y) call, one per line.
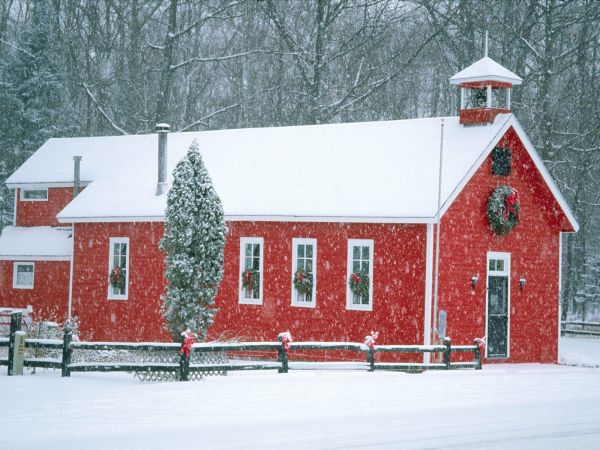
point(503, 406)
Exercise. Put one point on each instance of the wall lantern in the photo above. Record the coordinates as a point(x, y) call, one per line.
point(474, 280)
point(522, 282)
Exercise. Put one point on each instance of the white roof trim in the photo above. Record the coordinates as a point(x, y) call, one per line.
point(26, 258)
point(512, 81)
point(49, 184)
point(512, 121)
point(273, 218)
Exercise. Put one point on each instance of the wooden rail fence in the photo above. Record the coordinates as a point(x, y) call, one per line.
point(283, 363)
point(580, 329)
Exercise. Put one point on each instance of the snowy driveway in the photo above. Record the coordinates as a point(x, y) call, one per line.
point(521, 406)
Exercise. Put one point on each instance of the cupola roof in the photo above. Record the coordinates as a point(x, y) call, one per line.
point(486, 69)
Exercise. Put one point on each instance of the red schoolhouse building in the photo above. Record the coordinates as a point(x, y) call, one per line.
point(354, 207)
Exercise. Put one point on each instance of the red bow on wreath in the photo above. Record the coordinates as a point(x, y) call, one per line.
point(189, 339)
point(355, 278)
point(511, 202)
point(248, 279)
point(301, 276)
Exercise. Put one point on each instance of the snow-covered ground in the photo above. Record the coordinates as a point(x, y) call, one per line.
point(503, 406)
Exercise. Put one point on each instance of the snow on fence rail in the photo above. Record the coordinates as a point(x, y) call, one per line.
point(580, 328)
point(184, 367)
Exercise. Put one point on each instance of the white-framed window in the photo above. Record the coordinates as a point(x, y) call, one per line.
point(23, 275)
point(304, 272)
point(251, 270)
point(34, 195)
point(360, 265)
point(118, 268)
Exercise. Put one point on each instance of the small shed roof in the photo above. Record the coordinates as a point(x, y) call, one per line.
point(36, 243)
point(486, 69)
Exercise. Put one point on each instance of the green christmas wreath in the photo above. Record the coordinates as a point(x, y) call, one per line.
point(303, 282)
point(250, 279)
point(117, 278)
point(503, 210)
point(359, 283)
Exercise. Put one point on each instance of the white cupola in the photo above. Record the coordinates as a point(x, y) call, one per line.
point(485, 89)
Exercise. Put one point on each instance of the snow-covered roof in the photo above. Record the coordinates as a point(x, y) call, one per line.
point(36, 243)
point(486, 69)
point(354, 172)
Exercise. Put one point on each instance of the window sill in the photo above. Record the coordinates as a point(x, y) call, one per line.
point(117, 298)
point(359, 307)
point(22, 287)
point(251, 301)
point(304, 305)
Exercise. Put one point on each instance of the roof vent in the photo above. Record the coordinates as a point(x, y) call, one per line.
point(162, 186)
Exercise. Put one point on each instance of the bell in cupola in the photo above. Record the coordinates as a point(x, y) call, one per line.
point(485, 90)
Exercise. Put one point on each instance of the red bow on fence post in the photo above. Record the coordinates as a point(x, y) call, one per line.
point(189, 339)
point(371, 338)
point(282, 353)
point(370, 343)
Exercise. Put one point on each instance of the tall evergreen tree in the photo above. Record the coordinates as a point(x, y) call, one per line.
point(193, 242)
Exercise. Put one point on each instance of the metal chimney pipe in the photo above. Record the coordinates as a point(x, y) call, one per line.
point(162, 186)
point(76, 175)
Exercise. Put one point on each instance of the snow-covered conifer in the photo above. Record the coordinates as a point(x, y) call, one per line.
point(193, 242)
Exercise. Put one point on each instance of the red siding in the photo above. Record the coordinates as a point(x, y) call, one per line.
point(534, 246)
point(38, 213)
point(398, 284)
point(50, 294)
point(135, 319)
point(399, 268)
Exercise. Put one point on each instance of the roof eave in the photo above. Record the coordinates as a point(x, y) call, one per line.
point(258, 218)
point(513, 81)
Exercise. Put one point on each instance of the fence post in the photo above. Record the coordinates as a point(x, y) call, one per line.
point(447, 352)
point(67, 351)
point(184, 362)
point(15, 325)
point(282, 357)
point(371, 359)
point(477, 354)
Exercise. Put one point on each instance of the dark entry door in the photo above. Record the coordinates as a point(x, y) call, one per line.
point(497, 316)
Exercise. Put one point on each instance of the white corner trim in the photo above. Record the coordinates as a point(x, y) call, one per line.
point(428, 291)
point(70, 300)
point(559, 295)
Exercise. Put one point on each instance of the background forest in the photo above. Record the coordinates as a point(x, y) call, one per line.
point(97, 67)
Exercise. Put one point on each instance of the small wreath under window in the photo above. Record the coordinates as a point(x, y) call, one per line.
point(359, 283)
point(303, 282)
point(250, 279)
point(117, 278)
